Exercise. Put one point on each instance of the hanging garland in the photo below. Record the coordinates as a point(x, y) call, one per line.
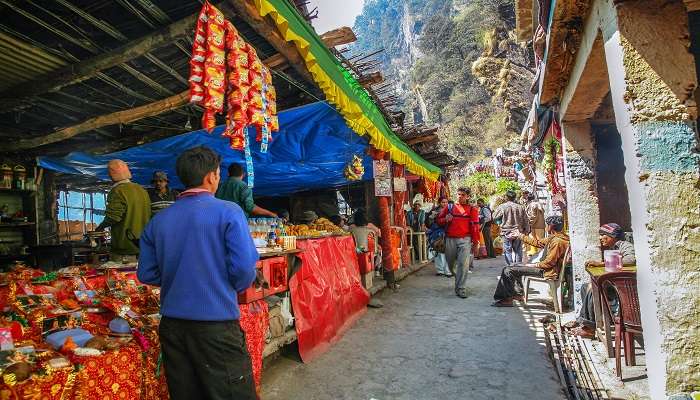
point(227, 74)
point(354, 170)
point(552, 147)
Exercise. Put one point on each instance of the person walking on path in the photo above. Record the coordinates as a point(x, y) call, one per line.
point(485, 219)
point(513, 218)
point(128, 211)
point(461, 224)
point(200, 252)
point(235, 190)
point(510, 286)
point(434, 233)
point(535, 217)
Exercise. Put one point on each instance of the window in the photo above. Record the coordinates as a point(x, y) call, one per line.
point(79, 212)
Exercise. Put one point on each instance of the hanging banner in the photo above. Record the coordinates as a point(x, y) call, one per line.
point(382, 178)
point(400, 184)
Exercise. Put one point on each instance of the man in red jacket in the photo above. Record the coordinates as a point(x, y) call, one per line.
point(461, 223)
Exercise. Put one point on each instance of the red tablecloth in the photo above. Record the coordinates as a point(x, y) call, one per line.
point(327, 295)
point(129, 372)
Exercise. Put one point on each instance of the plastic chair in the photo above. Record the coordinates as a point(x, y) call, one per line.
point(555, 286)
point(628, 321)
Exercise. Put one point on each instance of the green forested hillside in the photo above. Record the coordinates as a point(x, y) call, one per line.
point(429, 48)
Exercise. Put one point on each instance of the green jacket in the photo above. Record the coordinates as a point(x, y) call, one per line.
point(235, 190)
point(129, 206)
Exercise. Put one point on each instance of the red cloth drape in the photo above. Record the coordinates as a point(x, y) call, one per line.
point(399, 215)
point(254, 323)
point(327, 294)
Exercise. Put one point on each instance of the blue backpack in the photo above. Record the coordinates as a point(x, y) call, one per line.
point(436, 234)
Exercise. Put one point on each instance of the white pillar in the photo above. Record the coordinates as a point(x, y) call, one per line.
point(651, 78)
point(581, 200)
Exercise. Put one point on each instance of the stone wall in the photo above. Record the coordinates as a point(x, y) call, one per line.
point(652, 77)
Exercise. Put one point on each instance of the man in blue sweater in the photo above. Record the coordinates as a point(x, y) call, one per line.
point(199, 251)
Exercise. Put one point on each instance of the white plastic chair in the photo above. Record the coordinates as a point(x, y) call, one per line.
point(554, 285)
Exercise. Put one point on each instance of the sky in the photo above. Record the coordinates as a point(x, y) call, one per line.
point(335, 13)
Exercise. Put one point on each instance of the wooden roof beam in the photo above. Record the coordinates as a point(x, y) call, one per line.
point(246, 10)
point(339, 37)
point(119, 117)
point(171, 103)
point(422, 139)
point(90, 67)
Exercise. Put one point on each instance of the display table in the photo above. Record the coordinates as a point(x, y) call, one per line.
point(132, 370)
point(327, 294)
point(602, 317)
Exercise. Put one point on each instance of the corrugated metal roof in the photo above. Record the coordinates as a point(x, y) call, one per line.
point(20, 62)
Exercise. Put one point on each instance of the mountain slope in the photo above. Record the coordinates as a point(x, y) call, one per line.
point(455, 64)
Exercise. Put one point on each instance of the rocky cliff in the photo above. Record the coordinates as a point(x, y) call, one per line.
point(455, 64)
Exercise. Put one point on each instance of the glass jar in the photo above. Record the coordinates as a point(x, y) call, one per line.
point(6, 181)
point(20, 177)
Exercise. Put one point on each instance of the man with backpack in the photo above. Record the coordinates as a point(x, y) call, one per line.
point(436, 238)
point(461, 224)
point(485, 219)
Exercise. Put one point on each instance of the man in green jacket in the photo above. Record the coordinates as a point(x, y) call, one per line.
point(128, 211)
point(235, 190)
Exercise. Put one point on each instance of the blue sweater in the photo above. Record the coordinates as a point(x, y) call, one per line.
point(199, 251)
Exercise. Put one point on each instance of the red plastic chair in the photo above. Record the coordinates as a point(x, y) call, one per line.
point(628, 322)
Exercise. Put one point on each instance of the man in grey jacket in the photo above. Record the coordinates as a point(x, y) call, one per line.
point(513, 218)
point(612, 237)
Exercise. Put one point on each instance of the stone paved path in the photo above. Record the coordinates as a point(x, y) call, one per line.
point(428, 344)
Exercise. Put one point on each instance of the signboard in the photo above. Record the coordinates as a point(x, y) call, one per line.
point(382, 178)
point(400, 184)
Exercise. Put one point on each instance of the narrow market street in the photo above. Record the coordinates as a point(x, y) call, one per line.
point(425, 343)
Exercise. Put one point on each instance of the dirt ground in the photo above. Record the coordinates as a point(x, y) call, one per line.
point(426, 343)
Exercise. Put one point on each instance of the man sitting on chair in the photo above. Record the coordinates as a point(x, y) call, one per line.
point(612, 237)
point(510, 286)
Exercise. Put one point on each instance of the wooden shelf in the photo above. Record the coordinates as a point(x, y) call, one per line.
point(17, 191)
point(13, 257)
point(15, 224)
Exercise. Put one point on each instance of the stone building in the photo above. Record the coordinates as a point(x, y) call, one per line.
point(623, 76)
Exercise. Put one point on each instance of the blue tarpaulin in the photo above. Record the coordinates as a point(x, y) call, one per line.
point(310, 151)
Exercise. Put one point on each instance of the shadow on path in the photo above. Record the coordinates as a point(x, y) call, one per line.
point(427, 343)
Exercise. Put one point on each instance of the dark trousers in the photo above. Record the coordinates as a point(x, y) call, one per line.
point(586, 316)
point(488, 240)
point(206, 360)
point(511, 283)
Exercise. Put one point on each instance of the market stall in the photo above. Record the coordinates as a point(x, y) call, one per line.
point(80, 330)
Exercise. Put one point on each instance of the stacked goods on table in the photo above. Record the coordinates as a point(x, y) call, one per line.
point(79, 332)
point(85, 332)
point(322, 227)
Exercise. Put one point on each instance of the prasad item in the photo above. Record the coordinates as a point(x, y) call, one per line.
point(120, 326)
point(21, 370)
point(79, 337)
point(59, 362)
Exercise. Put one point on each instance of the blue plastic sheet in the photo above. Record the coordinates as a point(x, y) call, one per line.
point(309, 152)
